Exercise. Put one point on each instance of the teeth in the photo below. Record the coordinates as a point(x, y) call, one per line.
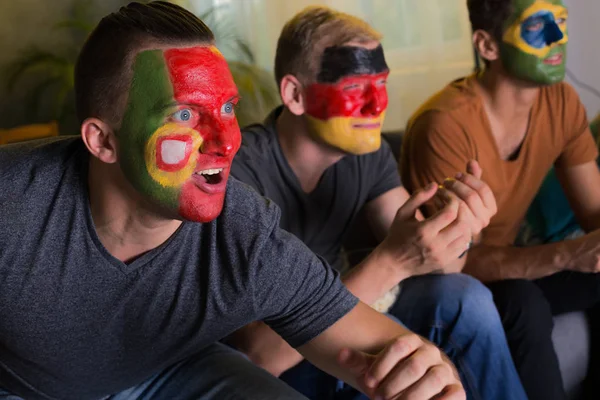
point(210, 171)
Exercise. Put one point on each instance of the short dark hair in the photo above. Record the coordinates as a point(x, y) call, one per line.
point(490, 15)
point(103, 71)
point(304, 38)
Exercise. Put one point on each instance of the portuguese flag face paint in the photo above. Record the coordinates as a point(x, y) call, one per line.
point(179, 133)
point(345, 108)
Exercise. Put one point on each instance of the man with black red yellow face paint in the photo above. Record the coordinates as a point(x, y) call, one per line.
point(127, 253)
point(321, 159)
point(519, 119)
point(346, 106)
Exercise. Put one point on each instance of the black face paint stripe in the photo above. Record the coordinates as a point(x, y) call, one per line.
point(341, 61)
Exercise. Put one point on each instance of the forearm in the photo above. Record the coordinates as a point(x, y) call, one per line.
point(492, 263)
point(374, 277)
point(370, 332)
point(265, 348)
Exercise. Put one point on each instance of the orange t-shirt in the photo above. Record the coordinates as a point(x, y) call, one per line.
point(452, 128)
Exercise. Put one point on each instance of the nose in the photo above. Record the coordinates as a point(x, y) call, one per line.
point(375, 101)
point(553, 33)
point(222, 142)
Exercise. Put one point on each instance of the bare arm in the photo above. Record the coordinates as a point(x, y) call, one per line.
point(582, 187)
point(380, 357)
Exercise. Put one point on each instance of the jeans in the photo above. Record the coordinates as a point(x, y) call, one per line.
point(217, 372)
point(527, 308)
point(457, 313)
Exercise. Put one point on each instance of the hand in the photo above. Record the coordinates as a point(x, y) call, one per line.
point(265, 348)
point(422, 247)
point(408, 368)
point(478, 204)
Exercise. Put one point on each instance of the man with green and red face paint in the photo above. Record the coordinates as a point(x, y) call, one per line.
point(519, 119)
point(127, 253)
point(321, 158)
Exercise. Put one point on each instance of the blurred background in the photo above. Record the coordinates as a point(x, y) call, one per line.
point(427, 44)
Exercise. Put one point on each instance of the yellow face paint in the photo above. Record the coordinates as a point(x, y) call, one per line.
point(171, 154)
point(351, 134)
point(517, 35)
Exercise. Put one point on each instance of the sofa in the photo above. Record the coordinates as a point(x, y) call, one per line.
point(571, 335)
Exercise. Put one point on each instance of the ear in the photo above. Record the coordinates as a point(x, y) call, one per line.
point(487, 47)
point(100, 140)
point(292, 95)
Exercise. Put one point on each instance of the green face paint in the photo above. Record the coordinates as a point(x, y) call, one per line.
point(534, 42)
point(151, 91)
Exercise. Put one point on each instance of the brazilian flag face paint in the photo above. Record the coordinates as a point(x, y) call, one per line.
point(345, 108)
point(535, 41)
point(179, 133)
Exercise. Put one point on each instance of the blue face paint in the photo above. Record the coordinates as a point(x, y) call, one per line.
point(541, 30)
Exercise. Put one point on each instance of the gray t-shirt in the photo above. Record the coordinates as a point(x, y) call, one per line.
point(77, 323)
point(322, 218)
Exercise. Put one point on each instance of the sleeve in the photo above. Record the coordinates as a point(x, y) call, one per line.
point(579, 145)
point(296, 292)
point(384, 167)
point(435, 147)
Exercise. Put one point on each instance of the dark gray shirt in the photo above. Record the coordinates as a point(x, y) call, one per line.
point(321, 218)
point(77, 323)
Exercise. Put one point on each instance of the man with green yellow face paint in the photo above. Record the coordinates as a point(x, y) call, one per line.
point(320, 157)
point(519, 119)
point(127, 252)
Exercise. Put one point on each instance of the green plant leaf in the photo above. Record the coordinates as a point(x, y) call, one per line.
point(33, 59)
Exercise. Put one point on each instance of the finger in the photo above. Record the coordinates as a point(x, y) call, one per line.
point(477, 214)
point(452, 392)
point(485, 192)
point(397, 351)
point(356, 362)
point(443, 217)
point(410, 371)
point(458, 247)
point(474, 169)
point(416, 200)
point(431, 384)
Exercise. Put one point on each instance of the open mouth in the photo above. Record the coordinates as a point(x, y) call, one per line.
point(556, 59)
point(212, 176)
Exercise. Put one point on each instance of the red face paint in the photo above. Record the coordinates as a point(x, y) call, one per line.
point(203, 85)
point(359, 96)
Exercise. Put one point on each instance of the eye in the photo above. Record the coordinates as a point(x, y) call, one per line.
point(228, 108)
point(535, 26)
point(352, 86)
point(561, 21)
point(381, 82)
point(183, 115)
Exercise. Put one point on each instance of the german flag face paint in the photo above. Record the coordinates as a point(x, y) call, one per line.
point(179, 133)
point(535, 41)
point(345, 108)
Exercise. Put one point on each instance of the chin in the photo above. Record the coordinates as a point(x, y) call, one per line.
point(202, 213)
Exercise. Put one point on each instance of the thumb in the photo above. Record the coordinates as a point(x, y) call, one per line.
point(418, 198)
point(355, 362)
point(474, 169)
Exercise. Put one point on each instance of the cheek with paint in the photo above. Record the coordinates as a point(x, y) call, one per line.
point(348, 114)
point(172, 153)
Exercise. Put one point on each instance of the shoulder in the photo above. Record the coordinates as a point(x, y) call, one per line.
point(257, 141)
point(560, 95)
point(456, 98)
point(41, 155)
point(245, 207)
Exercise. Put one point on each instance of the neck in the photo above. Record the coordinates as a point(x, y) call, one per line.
point(125, 223)
point(307, 157)
point(506, 97)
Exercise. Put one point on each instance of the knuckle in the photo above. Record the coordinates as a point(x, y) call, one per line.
point(415, 368)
